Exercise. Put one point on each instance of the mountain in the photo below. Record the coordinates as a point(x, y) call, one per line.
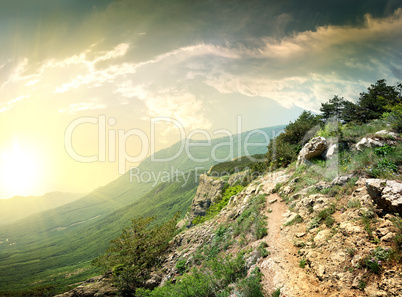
point(19, 207)
point(311, 229)
point(61, 242)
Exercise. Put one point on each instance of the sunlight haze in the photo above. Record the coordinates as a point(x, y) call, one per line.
point(106, 68)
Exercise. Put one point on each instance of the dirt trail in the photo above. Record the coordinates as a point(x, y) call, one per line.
point(281, 268)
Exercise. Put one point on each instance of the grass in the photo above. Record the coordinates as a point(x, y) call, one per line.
point(354, 203)
point(211, 272)
point(397, 221)
point(251, 221)
point(215, 208)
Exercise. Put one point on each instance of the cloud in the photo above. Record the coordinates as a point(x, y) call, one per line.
point(310, 67)
point(10, 104)
point(180, 105)
point(82, 106)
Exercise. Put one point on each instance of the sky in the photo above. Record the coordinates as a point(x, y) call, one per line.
point(87, 88)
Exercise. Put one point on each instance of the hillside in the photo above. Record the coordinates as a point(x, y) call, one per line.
point(308, 230)
point(19, 207)
point(64, 240)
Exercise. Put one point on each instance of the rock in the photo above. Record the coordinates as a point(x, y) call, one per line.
point(299, 243)
point(331, 151)
point(153, 282)
point(321, 237)
point(252, 258)
point(341, 180)
point(320, 203)
point(347, 228)
point(321, 272)
point(387, 133)
point(387, 194)
point(290, 218)
point(388, 238)
point(367, 142)
point(299, 235)
point(208, 191)
point(356, 281)
point(382, 232)
point(287, 190)
point(99, 286)
point(338, 257)
point(272, 201)
point(391, 283)
point(321, 185)
point(314, 148)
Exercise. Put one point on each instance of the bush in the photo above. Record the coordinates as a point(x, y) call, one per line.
point(133, 254)
point(302, 263)
point(212, 279)
point(284, 148)
point(251, 286)
point(181, 265)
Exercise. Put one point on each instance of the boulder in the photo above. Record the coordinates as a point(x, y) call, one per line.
point(368, 142)
point(387, 134)
point(387, 194)
point(314, 148)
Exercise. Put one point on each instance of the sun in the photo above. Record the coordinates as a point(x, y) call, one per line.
point(20, 171)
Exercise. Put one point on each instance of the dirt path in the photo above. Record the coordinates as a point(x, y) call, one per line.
point(281, 267)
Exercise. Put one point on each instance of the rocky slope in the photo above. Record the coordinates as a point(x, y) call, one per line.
point(325, 238)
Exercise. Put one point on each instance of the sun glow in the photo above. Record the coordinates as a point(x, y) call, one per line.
point(20, 171)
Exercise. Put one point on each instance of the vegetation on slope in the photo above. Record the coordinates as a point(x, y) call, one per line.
point(63, 261)
point(380, 105)
point(211, 270)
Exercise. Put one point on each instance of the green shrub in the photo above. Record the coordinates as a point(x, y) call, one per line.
point(181, 265)
point(314, 223)
point(136, 251)
point(251, 286)
point(362, 284)
point(251, 221)
point(262, 249)
point(212, 279)
point(302, 263)
point(373, 265)
point(375, 260)
point(329, 221)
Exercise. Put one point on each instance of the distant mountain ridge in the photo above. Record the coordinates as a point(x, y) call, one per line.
point(19, 207)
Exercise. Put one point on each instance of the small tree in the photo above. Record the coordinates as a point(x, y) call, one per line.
point(333, 108)
point(378, 99)
point(283, 149)
point(133, 254)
